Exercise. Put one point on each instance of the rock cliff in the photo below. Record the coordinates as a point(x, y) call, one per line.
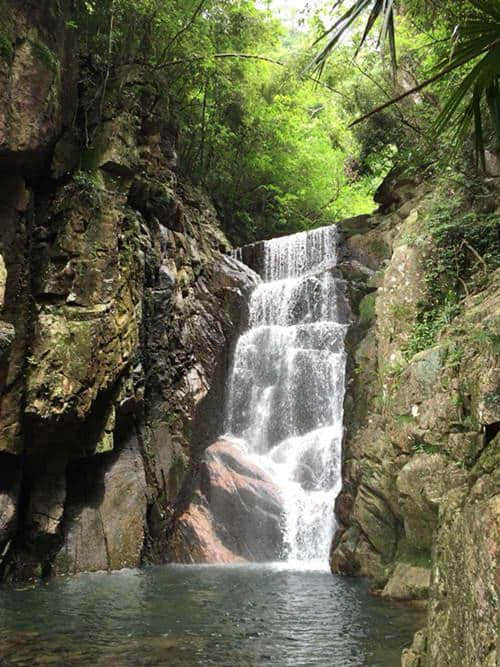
point(118, 311)
point(419, 510)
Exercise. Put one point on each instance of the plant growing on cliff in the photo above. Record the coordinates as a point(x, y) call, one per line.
point(466, 252)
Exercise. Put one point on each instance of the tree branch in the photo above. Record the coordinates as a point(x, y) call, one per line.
point(416, 89)
point(185, 28)
point(245, 56)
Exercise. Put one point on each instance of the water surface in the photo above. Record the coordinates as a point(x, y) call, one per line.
point(188, 615)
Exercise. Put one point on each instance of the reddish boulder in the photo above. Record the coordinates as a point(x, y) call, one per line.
point(235, 516)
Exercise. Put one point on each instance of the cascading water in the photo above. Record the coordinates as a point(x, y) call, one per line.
point(286, 391)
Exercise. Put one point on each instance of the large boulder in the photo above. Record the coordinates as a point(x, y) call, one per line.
point(236, 514)
point(408, 582)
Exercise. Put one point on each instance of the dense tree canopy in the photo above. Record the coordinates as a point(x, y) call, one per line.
point(268, 135)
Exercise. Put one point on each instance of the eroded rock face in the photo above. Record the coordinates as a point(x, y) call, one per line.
point(236, 514)
point(418, 509)
point(118, 312)
point(37, 77)
point(463, 614)
point(105, 512)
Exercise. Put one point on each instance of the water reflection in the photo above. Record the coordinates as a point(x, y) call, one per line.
point(235, 616)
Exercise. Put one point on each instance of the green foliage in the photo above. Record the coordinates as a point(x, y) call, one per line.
point(478, 45)
point(465, 233)
point(89, 187)
point(6, 47)
point(467, 250)
point(430, 321)
point(271, 147)
point(473, 50)
point(42, 53)
point(455, 355)
point(377, 10)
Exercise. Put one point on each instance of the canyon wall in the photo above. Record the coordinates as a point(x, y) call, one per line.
point(118, 312)
point(119, 308)
point(419, 511)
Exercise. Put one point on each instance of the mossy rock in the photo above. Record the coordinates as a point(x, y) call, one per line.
point(367, 309)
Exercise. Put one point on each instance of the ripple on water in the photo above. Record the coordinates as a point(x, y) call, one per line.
point(189, 615)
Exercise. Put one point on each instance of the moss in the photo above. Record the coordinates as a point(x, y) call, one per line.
point(403, 311)
point(89, 187)
point(489, 460)
point(404, 419)
point(367, 310)
point(89, 160)
point(492, 401)
point(425, 448)
point(6, 48)
point(379, 248)
point(407, 553)
point(487, 339)
point(47, 57)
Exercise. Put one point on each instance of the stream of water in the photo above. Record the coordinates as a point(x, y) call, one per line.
point(286, 392)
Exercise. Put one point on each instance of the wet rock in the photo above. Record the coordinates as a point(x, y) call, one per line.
point(373, 514)
point(47, 499)
point(10, 486)
point(105, 513)
point(408, 582)
point(236, 515)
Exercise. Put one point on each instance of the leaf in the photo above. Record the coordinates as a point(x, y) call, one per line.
point(379, 10)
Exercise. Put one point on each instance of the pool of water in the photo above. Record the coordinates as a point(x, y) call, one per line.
point(189, 615)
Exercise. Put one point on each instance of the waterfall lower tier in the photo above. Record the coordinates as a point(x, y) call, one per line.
point(286, 390)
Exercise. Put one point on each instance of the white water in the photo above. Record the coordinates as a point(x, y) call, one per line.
point(286, 391)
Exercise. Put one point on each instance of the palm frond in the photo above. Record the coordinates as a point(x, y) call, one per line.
point(475, 48)
point(382, 10)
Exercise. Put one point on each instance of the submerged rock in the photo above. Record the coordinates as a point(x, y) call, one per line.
point(236, 514)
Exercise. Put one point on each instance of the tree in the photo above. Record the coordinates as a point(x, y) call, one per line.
point(475, 51)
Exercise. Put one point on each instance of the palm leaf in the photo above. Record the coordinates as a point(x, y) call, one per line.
point(379, 9)
point(476, 45)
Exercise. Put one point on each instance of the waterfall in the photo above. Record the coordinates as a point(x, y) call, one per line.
point(286, 390)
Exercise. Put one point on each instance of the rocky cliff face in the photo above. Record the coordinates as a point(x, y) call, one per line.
point(118, 310)
point(419, 509)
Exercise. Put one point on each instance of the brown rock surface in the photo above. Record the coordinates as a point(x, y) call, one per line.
point(105, 513)
point(236, 515)
point(419, 510)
